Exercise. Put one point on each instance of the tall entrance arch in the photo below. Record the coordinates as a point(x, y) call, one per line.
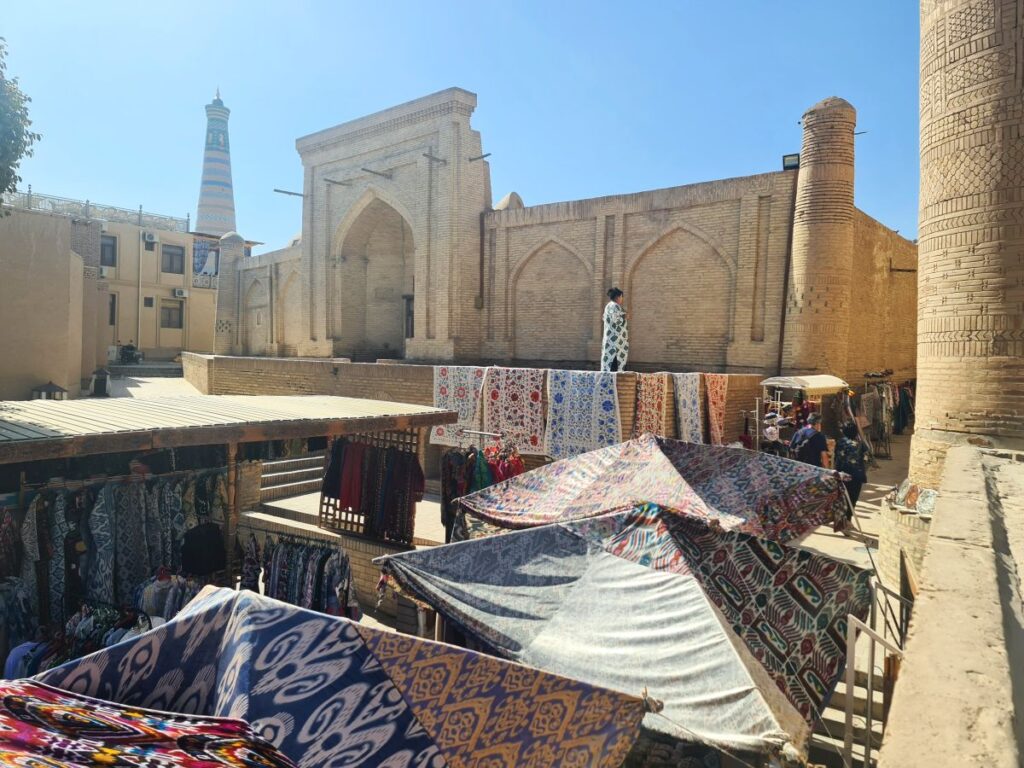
point(373, 285)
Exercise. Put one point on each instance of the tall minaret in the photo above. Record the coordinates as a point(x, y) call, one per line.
point(216, 215)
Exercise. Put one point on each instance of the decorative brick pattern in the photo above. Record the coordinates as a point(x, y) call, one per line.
point(971, 280)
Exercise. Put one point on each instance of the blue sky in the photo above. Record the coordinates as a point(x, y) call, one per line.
point(576, 99)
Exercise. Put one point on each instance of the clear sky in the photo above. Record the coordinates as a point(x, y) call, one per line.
point(576, 99)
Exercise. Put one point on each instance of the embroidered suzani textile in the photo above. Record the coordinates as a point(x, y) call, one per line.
point(689, 407)
point(615, 341)
point(457, 388)
point(651, 404)
point(513, 405)
point(583, 412)
point(328, 692)
point(717, 385)
point(627, 597)
point(760, 494)
point(42, 727)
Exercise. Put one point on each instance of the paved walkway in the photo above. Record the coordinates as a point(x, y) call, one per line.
point(147, 387)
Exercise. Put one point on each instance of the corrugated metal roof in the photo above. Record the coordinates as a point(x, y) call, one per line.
point(38, 429)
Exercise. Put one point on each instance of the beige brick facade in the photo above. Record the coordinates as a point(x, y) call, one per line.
point(403, 256)
point(971, 279)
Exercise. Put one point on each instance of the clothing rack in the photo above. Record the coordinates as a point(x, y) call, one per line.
point(289, 537)
point(77, 485)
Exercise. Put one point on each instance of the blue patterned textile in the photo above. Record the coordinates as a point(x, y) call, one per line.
point(328, 692)
point(583, 412)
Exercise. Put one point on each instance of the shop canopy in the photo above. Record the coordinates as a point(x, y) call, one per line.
point(741, 638)
point(48, 429)
point(756, 493)
point(821, 384)
point(328, 692)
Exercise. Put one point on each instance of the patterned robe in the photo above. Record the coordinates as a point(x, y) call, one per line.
point(615, 345)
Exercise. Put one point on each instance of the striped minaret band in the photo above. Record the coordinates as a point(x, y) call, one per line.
point(216, 214)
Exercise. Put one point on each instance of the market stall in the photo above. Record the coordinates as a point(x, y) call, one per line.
point(787, 401)
point(109, 507)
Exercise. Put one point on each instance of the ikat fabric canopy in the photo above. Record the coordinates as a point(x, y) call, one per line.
point(756, 493)
point(328, 692)
point(743, 639)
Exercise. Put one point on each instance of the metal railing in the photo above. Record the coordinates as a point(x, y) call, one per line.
point(854, 628)
point(65, 206)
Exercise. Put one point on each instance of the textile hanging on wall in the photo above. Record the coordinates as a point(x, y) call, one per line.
point(689, 407)
point(583, 412)
point(457, 388)
point(513, 406)
point(401, 701)
point(651, 404)
point(717, 385)
point(40, 725)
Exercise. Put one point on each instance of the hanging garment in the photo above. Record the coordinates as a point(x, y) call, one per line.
point(651, 404)
point(454, 483)
point(615, 342)
point(32, 553)
point(513, 406)
point(457, 388)
point(59, 529)
point(132, 556)
point(689, 407)
point(251, 565)
point(583, 412)
point(101, 542)
point(717, 385)
point(10, 544)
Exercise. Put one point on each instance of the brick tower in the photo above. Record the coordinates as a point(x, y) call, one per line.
point(818, 300)
point(970, 321)
point(216, 214)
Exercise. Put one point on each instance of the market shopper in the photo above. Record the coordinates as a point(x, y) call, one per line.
point(809, 444)
point(851, 458)
point(615, 344)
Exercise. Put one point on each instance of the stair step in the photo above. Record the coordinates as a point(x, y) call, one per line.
point(290, 489)
point(290, 476)
point(860, 700)
point(308, 516)
point(833, 724)
point(823, 750)
point(299, 462)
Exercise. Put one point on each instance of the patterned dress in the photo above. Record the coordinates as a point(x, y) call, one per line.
point(615, 346)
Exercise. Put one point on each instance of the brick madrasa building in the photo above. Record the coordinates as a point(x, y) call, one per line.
point(402, 254)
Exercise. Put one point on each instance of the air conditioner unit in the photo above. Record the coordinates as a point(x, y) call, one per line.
point(150, 237)
point(106, 272)
point(103, 226)
point(180, 293)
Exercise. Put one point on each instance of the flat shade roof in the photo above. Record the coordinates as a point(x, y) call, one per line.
point(819, 384)
point(31, 430)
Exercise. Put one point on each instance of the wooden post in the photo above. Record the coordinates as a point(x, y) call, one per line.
point(231, 528)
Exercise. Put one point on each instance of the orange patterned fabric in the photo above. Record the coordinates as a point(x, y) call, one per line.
point(650, 404)
point(717, 385)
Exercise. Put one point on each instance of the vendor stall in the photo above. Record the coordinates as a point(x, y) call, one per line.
point(110, 506)
point(786, 403)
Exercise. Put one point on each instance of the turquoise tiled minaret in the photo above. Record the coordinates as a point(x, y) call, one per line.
point(216, 214)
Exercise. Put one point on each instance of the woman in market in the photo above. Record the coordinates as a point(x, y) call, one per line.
point(851, 458)
point(615, 345)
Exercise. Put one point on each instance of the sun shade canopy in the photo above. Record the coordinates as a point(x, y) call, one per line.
point(820, 384)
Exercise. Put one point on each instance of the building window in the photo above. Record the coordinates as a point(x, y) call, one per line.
point(112, 317)
point(108, 251)
point(170, 314)
point(147, 302)
point(172, 259)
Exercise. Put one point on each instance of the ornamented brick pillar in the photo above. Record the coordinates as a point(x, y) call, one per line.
point(818, 301)
point(970, 322)
point(227, 338)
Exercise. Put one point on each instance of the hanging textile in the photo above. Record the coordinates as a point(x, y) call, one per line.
point(10, 544)
point(583, 412)
point(513, 406)
point(615, 340)
point(651, 404)
point(717, 385)
point(100, 543)
point(40, 725)
point(689, 407)
point(31, 553)
point(457, 388)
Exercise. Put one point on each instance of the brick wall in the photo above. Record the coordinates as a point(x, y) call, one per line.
point(900, 531)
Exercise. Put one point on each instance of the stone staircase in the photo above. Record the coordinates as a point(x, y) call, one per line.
point(291, 477)
point(826, 743)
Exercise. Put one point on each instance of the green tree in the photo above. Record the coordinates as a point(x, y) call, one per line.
point(16, 139)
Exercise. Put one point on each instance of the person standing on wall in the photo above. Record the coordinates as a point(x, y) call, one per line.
point(809, 444)
point(615, 344)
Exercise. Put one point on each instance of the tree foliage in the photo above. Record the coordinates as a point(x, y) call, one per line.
point(16, 138)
